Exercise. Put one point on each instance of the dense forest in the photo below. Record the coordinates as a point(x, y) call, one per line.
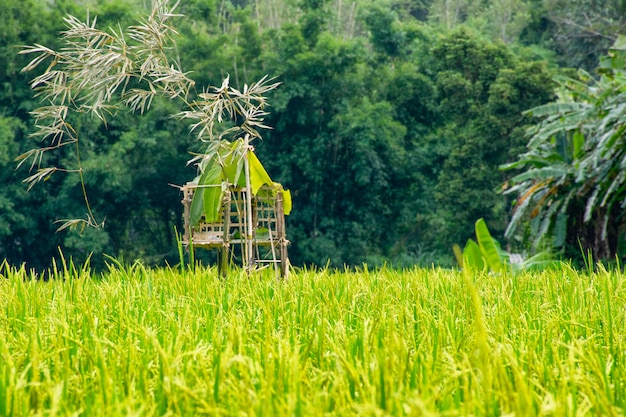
point(397, 124)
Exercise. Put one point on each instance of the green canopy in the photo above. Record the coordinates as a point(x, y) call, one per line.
point(224, 167)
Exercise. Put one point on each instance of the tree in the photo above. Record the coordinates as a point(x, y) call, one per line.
point(573, 185)
point(482, 90)
point(320, 83)
point(385, 37)
point(507, 18)
point(583, 30)
point(381, 120)
point(451, 13)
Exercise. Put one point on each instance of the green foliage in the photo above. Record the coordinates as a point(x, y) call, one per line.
point(487, 254)
point(572, 186)
point(489, 247)
point(482, 90)
point(582, 31)
point(385, 36)
point(389, 124)
point(484, 254)
point(223, 165)
point(471, 256)
point(207, 200)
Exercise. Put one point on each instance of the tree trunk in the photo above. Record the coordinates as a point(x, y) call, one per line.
point(590, 238)
point(606, 240)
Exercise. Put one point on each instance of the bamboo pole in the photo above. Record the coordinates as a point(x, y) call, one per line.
point(249, 225)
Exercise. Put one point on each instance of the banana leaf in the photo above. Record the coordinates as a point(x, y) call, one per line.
point(224, 167)
point(488, 246)
point(286, 201)
point(208, 196)
point(258, 175)
point(472, 256)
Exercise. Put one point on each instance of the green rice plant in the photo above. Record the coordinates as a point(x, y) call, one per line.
point(171, 341)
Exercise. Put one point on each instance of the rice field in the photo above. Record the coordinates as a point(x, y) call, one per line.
point(136, 341)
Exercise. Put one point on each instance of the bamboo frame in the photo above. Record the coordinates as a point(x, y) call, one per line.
point(253, 225)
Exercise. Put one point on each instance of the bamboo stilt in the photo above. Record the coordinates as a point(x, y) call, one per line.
point(249, 224)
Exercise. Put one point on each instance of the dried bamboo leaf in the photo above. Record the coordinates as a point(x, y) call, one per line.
point(72, 224)
point(35, 154)
point(91, 74)
point(41, 174)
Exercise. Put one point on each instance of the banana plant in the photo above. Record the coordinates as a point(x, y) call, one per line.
point(486, 253)
point(571, 183)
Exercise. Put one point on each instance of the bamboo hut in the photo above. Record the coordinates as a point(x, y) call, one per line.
point(234, 207)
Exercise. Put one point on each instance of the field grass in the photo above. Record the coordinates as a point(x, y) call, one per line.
point(140, 341)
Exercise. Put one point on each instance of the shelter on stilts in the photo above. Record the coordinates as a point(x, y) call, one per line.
point(241, 214)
